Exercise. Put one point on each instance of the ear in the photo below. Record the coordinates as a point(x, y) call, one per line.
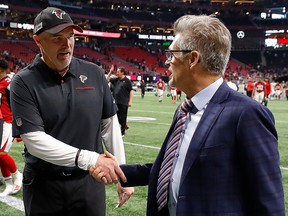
point(191, 61)
point(195, 58)
point(37, 40)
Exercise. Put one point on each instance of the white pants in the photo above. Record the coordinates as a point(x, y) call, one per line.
point(259, 96)
point(7, 139)
point(174, 93)
point(160, 94)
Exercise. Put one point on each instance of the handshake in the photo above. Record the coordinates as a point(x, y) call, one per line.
point(108, 171)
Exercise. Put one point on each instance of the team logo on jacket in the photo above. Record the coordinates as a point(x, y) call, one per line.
point(18, 121)
point(82, 78)
point(59, 13)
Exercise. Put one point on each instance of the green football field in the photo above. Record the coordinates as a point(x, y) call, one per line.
point(148, 122)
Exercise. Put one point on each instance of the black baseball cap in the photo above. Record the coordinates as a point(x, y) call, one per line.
point(53, 20)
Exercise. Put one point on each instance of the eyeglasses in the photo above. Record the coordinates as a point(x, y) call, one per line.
point(170, 53)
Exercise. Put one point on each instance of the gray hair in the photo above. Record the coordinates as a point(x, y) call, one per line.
point(207, 35)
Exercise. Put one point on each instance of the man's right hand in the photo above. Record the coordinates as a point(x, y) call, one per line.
point(107, 169)
point(112, 68)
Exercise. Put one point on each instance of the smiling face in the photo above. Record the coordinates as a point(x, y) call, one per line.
point(57, 49)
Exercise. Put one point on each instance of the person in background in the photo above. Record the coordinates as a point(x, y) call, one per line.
point(259, 90)
point(278, 90)
point(220, 156)
point(178, 94)
point(2, 181)
point(9, 170)
point(173, 94)
point(143, 88)
point(123, 94)
point(268, 90)
point(241, 87)
point(64, 112)
point(249, 87)
point(231, 84)
point(286, 90)
point(160, 85)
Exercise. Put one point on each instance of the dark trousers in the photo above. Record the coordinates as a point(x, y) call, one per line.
point(142, 94)
point(71, 196)
point(249, 93)
point(122, 116)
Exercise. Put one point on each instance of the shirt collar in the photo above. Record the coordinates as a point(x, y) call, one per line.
point(38, 61)
point(204, 96)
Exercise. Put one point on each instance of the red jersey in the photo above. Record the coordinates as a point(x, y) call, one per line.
point(250, 86)
point(160, 85)
point(4, 99)
point(268, 88)
point(259, 86)
point(278, 86)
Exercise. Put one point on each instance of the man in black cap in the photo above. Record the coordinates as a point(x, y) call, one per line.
point(63, 110)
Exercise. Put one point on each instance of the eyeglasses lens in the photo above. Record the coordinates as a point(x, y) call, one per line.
point(169, 56)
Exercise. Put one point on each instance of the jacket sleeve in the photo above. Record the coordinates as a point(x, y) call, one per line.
point(136, 174)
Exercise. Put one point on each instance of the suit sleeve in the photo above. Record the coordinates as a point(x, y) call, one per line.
point(260, 164)
point(136, 174)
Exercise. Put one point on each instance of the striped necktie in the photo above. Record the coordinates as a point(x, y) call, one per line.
point(167, 163)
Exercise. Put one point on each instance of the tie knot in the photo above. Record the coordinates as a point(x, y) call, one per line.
point(188, 106)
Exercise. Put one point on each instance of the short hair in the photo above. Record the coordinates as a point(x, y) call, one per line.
point(122, 70)
point(4, 64)
point(207, 35)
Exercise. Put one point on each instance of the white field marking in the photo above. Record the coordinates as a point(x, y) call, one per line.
point(151, 111)
point(147, 120)
point(284, 168)
point(13, 202)
point(139, 118)
point(280, 121)
point(141, 145)
point(157, 123)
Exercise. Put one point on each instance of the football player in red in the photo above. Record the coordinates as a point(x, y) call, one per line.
point(12, 177)
point(268, 90)
point(249, 87)
point(173, 94)
point(278, 91)
point(160, 89)
point(259, 90)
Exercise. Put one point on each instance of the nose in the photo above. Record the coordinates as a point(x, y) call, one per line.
point(167, 62)
point(66, 42)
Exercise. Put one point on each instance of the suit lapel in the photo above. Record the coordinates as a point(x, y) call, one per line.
point(210, 115)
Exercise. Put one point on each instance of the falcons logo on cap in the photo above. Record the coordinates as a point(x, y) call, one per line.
point(59, 13)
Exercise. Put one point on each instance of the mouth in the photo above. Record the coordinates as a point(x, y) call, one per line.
point(65, 53)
